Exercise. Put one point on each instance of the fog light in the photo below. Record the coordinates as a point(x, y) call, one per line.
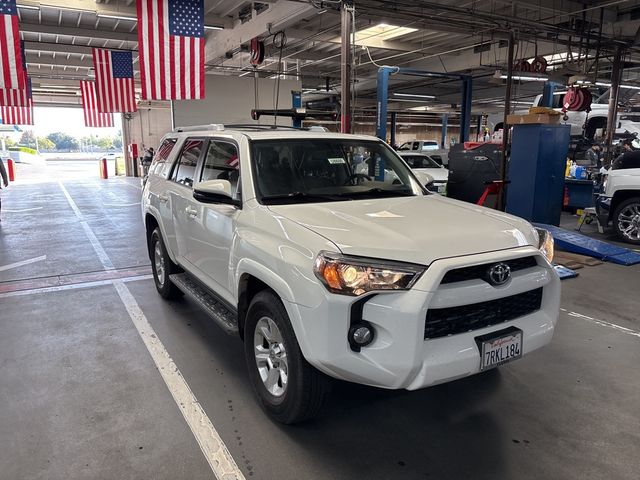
point(360, 335)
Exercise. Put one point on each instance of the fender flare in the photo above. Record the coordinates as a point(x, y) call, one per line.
point(158, 218)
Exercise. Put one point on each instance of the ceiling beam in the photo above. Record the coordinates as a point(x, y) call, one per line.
point(56, 48)
point(279, 15)
point(78, 32)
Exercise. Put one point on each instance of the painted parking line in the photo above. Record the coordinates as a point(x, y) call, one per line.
point(22, 263)
point(211, 444)
point(121, 204)
point(6, 210)
point(602, 323)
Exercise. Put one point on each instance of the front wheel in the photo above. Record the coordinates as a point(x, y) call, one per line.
point(626, 220)
point(288, 388)
point(162, 267)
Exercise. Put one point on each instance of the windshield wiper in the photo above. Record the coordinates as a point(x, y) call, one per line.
point(381, 192)
point(301, 196)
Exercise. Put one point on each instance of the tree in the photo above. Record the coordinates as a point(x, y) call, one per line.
point(63, 141)
point(45, 144)
point(28, 138)
point(117, 141)
point(105, 143)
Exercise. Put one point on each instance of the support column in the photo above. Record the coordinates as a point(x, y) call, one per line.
point(505, 126)
point(381, 110)
point(345, 66)
point(445, 126)
point(547, 94)
point(479, 135)
point(394, 118)
point(614, 92)
point(465, 108)
point(296, 102)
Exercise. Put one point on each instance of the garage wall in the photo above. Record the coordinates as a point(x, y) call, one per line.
point(231, 99)
point(148, 125)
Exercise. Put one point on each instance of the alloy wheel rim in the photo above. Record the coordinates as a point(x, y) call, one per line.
point(629, 221)
point(271, 357)
point(158, 261)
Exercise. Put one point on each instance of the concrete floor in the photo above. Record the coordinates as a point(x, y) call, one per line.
point(81, 398)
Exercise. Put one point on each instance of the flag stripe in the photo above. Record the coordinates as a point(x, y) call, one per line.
point(92, 116)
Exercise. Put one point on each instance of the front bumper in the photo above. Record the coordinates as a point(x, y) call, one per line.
point(603, 209)
point(400, 357)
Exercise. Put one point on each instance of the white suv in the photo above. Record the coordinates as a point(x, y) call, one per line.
point(326, 255)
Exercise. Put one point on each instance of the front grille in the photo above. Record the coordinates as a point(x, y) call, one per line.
point(442, 322)
point(480, 271)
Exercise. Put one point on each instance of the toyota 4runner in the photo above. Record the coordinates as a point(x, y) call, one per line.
point(327, 256)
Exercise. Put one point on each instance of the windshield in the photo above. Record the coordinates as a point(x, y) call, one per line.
point(317, 170)
point(420, 161)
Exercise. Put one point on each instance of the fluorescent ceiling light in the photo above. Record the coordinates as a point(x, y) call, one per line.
point(422, 108)
point(608, 85)
point(28, 7)
point(526, 78)
point(413, 95)
point(383, 32)
point(213, 27)
point(117, 16)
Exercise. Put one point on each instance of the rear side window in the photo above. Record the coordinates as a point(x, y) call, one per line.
point(185, 170)
point(159, 164)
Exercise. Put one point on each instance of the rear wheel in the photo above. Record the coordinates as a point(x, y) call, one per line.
point(288, 388)
point(162, 267)
point(626, 220)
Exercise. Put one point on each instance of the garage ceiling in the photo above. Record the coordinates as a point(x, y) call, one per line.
point(442, 36)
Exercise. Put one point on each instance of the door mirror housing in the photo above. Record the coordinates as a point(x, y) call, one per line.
point(214, 191)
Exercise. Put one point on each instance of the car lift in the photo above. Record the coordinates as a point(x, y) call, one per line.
point(297, 113)
point(383, 98)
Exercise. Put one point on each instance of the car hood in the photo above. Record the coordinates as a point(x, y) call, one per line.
point(417, 229)
point(438, 174)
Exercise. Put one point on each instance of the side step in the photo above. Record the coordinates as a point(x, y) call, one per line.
point(225, 317)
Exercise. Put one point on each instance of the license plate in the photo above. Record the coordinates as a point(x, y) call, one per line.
point(501, 348)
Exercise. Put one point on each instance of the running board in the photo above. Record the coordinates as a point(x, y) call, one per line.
point(218, 311)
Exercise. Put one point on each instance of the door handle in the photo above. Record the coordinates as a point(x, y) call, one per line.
point(191, 212)
point(163, 198)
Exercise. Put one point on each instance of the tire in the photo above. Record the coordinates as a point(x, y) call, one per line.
point(295, 391)
point(626, 220)
point(162, 267)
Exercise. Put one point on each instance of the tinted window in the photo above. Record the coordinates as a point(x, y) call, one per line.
point(420, 161)
point(221, 163)
point(185, 169)
point(162, 154)
point(627, 160)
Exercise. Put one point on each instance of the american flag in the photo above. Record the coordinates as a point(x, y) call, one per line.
point(11, 69)
point(17, 97)
point(18, 115)
point(114, 80)
point(92, 117)
point(171, 44)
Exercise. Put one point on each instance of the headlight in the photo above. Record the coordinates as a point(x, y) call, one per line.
point(604, 184)
point(545, 243)
point(356, 276)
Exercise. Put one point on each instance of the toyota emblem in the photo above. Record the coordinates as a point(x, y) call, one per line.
point(499, 274)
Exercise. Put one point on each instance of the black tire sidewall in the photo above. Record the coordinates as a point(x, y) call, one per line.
point(266, 304)
point(616, 214)
point(155, 238)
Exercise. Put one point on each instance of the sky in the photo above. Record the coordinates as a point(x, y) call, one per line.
point(68, 120)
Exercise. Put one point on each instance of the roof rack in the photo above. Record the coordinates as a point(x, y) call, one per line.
point(214, 127)
point(256, 126)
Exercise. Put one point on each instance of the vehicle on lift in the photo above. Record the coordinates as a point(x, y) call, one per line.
point(619, 203)
point(420, 145)
point(325, 254)
point(423, 163)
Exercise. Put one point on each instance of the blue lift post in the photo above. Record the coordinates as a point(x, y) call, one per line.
point(296, 102)
point(547, 93)
point(383, 97)
point(394, 118)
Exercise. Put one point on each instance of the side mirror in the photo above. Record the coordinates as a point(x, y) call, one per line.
point(214, 191)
